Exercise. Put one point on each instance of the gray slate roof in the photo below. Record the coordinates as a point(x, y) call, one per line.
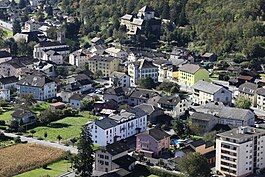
point(106, 123)
point(189, 68)
point(207, 87)
point(202, 116)
point(35, 81)
point(248, 88)
point(261, 91)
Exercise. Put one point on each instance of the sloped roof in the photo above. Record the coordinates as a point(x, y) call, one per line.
point(248, 88)
point(189, 68)
point(207, 87)
point(146, 9)
point(106, 123)
point(35, 80)
point(156, 133)
point(261, 91)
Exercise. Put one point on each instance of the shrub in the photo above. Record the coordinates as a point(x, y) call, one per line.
point(17, 140)
point(2, 122)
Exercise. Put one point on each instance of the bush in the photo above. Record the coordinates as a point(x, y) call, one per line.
point(17, 139)
point(2, 122)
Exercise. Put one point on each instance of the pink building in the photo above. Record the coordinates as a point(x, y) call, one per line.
point(152, 143)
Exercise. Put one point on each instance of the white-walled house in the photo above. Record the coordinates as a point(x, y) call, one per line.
point(261, 98)
point(79, 58)
point(174, 105)
point(40, 86)
point(53, 56)
point(116, 52)
point(142, 69)
point(118, 126)
point(204, 92)
point(5, 94)
point(119, 79)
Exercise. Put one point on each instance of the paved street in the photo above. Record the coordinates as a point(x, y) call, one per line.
point(44, 143)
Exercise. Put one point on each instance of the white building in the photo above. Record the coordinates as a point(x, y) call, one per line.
point(42, 47)
point(164, 69)
point(53, 56)
point(261, 98)
point(5, 94)
point(79, 58)
point(5, 56)
point(232, 116)
point(142, 69)
point(31, 26)
point(174, 105)
point(119, 79)
point(118, 126)
point(204, 92)
point(116, 52)
point(240, 151)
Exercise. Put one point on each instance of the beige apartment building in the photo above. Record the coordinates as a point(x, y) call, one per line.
point(105, 65)
point(240, 151)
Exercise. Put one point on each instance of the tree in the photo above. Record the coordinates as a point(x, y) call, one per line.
point(169, 87)
point(178, 127)
point(83, 162)
point(45, 135)
point(60, 70)
point(16, 27)
point(87, 104)
point(243, 102)
point(59, 138)
point(147, 83)
point(194, 164)
point(32, 132)
point(22, 4)
point(27, 100)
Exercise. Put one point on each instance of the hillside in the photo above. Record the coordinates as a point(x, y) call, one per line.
point(222, 26)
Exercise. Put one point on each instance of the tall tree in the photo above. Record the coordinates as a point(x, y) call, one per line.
point(194, 164)
point(83, 162)
point(242, 102)
point(147, 83)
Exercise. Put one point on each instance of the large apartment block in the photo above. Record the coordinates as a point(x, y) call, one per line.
point(118, 126)
point(240, 151)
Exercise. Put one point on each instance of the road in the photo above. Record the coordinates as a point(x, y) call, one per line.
point(44, 143)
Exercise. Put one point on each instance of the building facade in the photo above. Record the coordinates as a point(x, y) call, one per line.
point(103, 65)
point(204, 92)
point(117, 127)
point(189, 74)
point(41, 87)
point(261, 99)
point(240, 151)
point(142, 69)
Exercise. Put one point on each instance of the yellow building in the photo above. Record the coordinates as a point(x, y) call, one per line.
point(105, 65)
point(189, 74)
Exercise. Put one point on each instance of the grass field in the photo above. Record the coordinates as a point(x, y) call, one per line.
point(40, 107)
point(24, 157)
point(6, 116)
point(52, 170)
point(67, 128)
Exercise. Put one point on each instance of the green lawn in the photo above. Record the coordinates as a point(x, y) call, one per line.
point(41, 107)
point(6, 116)
point(8, 33)
point(53, 170)
point(67, 128)
point(153, 176)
